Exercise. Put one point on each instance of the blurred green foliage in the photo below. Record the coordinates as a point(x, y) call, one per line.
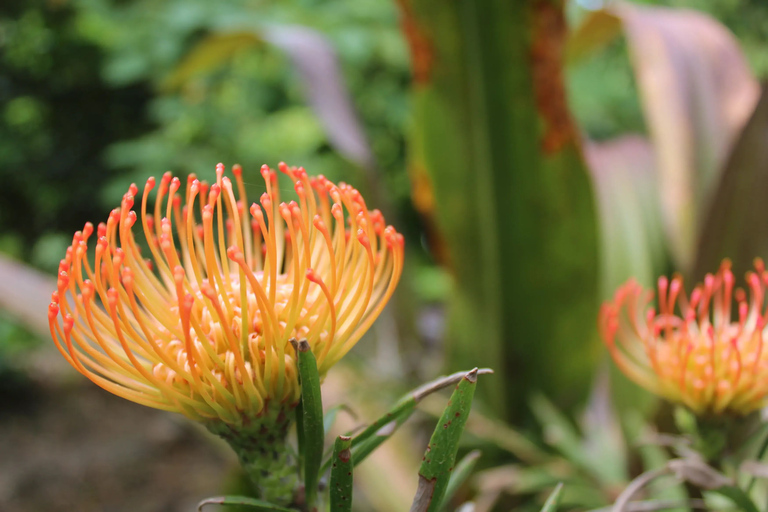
point(83, 112)
point(610, 105)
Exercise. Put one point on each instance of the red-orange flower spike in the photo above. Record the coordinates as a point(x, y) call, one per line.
point(706, 352)
point(203, 326)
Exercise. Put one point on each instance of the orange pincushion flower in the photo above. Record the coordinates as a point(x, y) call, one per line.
point(203, 328)
point(692, 351)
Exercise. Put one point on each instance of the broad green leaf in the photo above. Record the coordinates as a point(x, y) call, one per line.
point(256, 504)
point(341, 475)
point(312, 418)
point(495, 154)
point(554, 499)
point(440, 457)
point(459, 475)
point(697, 93)
point(736, 223)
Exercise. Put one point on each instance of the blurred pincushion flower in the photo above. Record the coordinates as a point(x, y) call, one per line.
point(204, 326)
point(691, 351)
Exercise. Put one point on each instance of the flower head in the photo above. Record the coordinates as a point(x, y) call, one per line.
point(203, 326)
point(692, 350)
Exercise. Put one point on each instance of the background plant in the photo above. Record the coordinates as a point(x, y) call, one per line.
point(106, 65)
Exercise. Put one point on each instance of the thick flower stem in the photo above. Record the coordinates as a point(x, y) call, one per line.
point(260, 445)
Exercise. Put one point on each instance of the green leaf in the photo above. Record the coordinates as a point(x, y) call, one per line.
point(494, 146)
point(244, 501)
point(439, 459)
point(407, 403)
point(459, 475)
point(554, 499)
point(312, 418)
point(364, 443)
point(341, 475)
point(366, 447)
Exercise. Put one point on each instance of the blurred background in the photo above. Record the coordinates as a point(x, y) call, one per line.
point(535, 155)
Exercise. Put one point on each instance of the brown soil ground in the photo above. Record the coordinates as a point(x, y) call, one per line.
point(75, 448)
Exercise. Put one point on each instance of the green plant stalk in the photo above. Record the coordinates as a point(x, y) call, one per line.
point(312, 419)
point(341, 475)
point(364, 443)
point(440, 456)
point(260, 445)
point(493, 137)
point(245, 501)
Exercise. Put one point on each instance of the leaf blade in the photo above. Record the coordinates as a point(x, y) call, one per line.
point(312, 418)
point(257, 504)
point(554, 499)
point(341, 475)
point(440, 455)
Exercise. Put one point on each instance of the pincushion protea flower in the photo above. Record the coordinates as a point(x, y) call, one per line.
point(692, 351)
point(203, 327)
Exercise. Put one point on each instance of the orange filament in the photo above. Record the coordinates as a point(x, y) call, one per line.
point(692, 351)
point(203, 327)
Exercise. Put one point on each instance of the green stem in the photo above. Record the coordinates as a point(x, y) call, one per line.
point(260, 445)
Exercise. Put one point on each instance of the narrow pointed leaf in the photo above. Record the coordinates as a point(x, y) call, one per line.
point(407, 403)
point(255, 504)
point(341, 475)
point(364, 449)
point(364, 443)
point(312, 418)
point(554, 499)
point(439, 459)
point(738, 497)
point(459, 475)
